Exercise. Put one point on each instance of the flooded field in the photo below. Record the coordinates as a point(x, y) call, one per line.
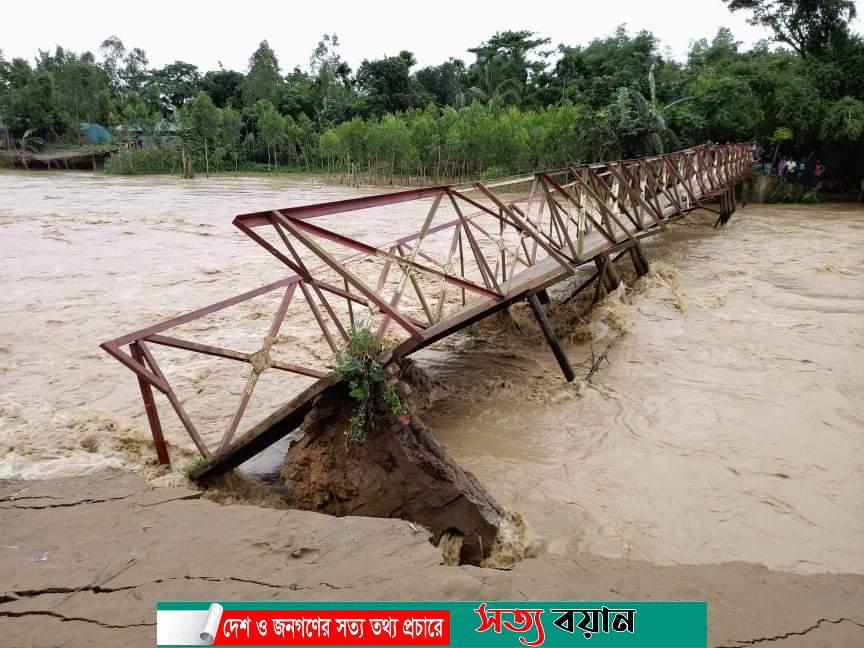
point(727, 425)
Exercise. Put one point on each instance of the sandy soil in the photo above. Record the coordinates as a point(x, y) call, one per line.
point(112, 546)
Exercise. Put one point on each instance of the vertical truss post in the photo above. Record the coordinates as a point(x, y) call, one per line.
point(551, 337)
point(151, 411)
point(172, 398)
point(727, 207)
point(607, 273)
point(543, 296)
point(640, 261)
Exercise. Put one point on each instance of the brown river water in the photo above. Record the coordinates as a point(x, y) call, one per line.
point(728, 423)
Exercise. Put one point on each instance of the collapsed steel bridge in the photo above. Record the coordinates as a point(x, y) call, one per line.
point(478, 249)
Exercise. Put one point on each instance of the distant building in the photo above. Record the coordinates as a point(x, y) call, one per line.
point(95, 134)
point(140, 135)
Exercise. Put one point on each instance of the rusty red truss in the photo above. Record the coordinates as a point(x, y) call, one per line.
point(463, 253)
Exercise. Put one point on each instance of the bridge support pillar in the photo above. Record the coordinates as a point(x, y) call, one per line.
point(640, 261)
point(607, 272)
point(551, 337)
point(543, 296)
point(727, 207)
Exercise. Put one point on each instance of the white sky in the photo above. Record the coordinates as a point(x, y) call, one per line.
point(205, 33)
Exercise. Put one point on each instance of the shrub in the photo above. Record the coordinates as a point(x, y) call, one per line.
point(783, 191)
point(493, 172)
point(153, 159)
point(358, 365)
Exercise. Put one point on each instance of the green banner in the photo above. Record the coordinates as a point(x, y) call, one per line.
point(649, 624)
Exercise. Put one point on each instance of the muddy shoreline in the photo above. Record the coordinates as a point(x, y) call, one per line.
point(107, 546)
point(84, 559)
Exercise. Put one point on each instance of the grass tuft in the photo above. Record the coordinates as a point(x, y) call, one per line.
point(357, 363)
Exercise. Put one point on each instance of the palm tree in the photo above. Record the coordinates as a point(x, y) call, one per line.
point(493, 88)
point(658, 112)
point(28, 141)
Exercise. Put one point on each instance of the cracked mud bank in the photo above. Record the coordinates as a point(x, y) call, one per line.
point(107, 546)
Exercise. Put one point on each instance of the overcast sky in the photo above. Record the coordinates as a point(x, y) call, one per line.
point(207, 33)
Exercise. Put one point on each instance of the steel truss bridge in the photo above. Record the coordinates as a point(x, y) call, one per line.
point(470, 251)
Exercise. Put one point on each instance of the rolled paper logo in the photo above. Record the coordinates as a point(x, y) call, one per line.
point(211, 624)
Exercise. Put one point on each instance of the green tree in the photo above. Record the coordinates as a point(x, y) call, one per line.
point(798, 106)
point(263, 77)
point(297, 95)
point(135, 74)
point(843, 130)
point(807, 26)
point(593, 74)
point(721, 51)
point(778, 137)
point(390, 143)
point(135, 114)
point(112, 51)
point(331, 146)
point(271, 130)
point(224, 87)
point(231, 132)
point(492, 84)
point(332, 82)
point(730, 109)
point(81, 89)
point(515, 55)
point(844, 122)
point(385, 85)
point(28, 102)
point(446, 83)
point(634, 128)
point(206, 120)
point(178, 83)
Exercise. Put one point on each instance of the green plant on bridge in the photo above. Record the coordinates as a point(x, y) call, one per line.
point(358, 365)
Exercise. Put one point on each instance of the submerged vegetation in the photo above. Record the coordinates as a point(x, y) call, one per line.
point(519, 105)
point(357, 362)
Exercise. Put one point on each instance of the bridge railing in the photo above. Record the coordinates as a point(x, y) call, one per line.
point(467, 250)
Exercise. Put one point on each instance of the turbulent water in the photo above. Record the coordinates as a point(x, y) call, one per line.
point(727, 424)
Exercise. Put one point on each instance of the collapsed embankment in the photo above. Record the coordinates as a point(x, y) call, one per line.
point(401, 471)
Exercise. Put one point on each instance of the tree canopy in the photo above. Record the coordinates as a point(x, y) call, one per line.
point(807, 26)
point(514, 103)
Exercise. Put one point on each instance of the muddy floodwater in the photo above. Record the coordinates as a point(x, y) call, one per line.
point(727, 424)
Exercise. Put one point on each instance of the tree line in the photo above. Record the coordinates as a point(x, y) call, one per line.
point(518, 105)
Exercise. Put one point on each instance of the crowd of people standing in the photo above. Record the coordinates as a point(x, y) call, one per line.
point(804, 171)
